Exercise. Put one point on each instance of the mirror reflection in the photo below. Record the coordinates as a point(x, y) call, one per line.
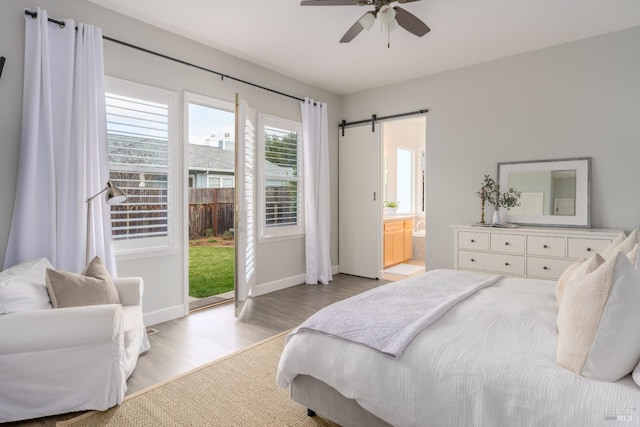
point(551, 192)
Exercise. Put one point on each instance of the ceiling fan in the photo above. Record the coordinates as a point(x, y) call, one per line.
point(390, 17)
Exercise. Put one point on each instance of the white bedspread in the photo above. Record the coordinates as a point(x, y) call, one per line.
point(489, 361)
point(388, 317)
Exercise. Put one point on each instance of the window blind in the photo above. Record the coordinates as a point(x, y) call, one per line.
point(138, 145)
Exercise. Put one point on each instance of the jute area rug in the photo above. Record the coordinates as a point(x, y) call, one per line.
point(238, 390)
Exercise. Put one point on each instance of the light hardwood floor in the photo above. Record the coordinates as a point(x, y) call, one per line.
point(207, 335)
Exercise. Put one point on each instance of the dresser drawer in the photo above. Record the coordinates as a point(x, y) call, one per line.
point(507, 243)
point(546, 268)
point(585, 248)
point(546, 246)
point(471, 240)
point(497, 263)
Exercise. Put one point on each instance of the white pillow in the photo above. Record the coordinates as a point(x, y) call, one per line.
point(598, 322)
point(636, 374)
point(23, 287)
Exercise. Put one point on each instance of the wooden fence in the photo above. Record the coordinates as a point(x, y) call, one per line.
point(210, 211)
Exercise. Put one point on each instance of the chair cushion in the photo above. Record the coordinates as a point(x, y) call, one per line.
point(94, 287)
point(23, 287)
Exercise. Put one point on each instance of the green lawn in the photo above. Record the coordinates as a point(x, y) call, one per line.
point(210, 270)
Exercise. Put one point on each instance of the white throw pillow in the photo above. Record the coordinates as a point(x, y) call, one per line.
point(636, 375)
point(598, 322)
point(23, 287)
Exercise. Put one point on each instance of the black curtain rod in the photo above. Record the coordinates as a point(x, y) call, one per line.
point(375, 118)
point(34, 14)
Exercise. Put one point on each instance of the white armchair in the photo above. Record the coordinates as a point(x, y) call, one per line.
point(61, 360)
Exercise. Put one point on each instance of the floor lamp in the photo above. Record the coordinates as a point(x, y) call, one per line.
point(114, 196)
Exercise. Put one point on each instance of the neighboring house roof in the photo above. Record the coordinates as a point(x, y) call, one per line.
point(126, 149)
point(206, 158)
point(201, 157)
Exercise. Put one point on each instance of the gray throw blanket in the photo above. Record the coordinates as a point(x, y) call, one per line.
point(388, 317)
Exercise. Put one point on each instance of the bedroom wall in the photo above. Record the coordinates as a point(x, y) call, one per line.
point(277, 264)
point(573, 100)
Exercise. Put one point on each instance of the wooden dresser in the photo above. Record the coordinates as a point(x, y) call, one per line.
point(540, 252)
point(398, 240)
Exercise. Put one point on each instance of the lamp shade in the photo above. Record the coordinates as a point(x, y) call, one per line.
point(367, 20)
point(392, 25)
point(114, 195)
point(387, 14)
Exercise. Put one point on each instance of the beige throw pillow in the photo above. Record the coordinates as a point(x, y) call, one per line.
point(576, 271)
point(95, 286)
point(623, 246)
point(633, 256)
point(598, 322)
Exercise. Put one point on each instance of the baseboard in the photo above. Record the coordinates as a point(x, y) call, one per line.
point(177, 311)
point(276, 285)
point(163, 315)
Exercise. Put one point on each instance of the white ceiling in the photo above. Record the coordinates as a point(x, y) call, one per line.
point(302, 42)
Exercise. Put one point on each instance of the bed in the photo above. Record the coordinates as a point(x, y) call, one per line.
point(490, 360)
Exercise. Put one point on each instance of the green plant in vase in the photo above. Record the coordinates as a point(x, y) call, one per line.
point(509, 199)
point(487, 193)
point(390, 207)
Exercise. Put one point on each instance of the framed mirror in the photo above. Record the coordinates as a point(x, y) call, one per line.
point(553, 192)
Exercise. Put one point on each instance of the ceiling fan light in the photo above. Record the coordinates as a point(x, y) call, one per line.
point(392, 25)
point(367, 20)
point(386, 14)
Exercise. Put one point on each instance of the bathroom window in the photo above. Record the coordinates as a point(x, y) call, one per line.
point(404, 189)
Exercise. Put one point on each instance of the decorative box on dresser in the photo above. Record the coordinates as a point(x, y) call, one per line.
point(540, 252)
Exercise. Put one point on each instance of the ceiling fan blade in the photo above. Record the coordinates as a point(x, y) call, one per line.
point(329, 3)
point(406, 1)
point(410, 22)
point(352, 32)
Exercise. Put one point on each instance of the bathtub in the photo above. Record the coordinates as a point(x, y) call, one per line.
point(419, 245)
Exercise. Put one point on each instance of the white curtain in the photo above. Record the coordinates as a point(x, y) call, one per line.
point(63, 148)
point(316, 191)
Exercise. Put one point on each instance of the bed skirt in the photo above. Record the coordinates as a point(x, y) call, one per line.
point(326, 401)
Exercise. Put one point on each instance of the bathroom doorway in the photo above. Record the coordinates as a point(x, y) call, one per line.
point(404, 196)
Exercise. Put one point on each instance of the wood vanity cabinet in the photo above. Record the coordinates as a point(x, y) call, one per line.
point(398, 243)
point(538, 252)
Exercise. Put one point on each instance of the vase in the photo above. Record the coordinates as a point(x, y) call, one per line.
point(496, 217)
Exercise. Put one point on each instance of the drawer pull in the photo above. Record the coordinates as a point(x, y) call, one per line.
point(545, 246)
point(589, 249)
point(473, 260)
point(545, 268)
point(507, 264)
point(506, 243)
point(473, 241)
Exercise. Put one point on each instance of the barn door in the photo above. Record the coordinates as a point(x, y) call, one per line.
point(360, 204)
point(244, 204)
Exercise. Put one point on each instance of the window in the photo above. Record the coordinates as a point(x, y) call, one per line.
point(404, 191)
point(280, 177)
point(139, 134)
point(220, 182)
